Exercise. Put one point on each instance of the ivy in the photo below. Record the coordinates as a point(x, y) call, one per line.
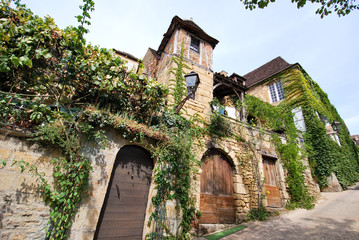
point(178, 85)
point(281, 119)
point(62, 91)
point(325, 155)
point(176, 164)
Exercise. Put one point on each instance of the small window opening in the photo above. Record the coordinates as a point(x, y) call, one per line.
point(195, 44)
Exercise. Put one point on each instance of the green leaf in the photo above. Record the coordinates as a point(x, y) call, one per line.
point(25, 61)
point(4, 67)
point(48, 55)
point(15, 61)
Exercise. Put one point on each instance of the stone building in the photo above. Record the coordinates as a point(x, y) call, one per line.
point(265, 83)
point(131, 61)
point(227, 158)
point(227, 185)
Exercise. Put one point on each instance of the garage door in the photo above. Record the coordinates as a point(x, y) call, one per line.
point(123, 212)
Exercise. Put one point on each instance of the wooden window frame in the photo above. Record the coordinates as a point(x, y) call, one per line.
point(195, 44)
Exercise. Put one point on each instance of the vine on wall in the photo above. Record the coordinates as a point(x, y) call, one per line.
point(57, 88)
point(63, 91)
point(176, 164)
point(281, 119)
point(325, 154)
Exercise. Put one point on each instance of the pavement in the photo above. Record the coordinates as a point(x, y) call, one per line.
point(335, 216)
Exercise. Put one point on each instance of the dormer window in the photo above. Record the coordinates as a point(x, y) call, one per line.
point(195, 44)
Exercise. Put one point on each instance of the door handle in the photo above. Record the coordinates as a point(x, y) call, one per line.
point(118, 191)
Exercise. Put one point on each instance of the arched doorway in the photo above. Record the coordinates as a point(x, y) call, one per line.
point(217, 198)
point(123, 212)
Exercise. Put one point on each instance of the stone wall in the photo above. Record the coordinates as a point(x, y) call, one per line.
point(24, 215)
point(246, 156)
point(262, 92)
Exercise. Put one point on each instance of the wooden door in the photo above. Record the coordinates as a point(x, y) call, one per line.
point(124, 209)
point(271, 183)
point(217, 200)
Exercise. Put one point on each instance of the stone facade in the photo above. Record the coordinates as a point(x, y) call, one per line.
point(262, 92)
point(23, 209)
point(25, 216)
point(130, 61)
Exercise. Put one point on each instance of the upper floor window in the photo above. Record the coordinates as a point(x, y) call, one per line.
point(276, 91)
point(195, 44)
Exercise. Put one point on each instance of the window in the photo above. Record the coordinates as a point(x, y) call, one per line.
point(194, 44)
point(299, 119)
point(276, 91)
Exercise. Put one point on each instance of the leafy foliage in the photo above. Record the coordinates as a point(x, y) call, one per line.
point(176, 162)
point(38, 58)
point(281, 118)
point(49, 78)
point(179, 89)
point(341, 7)
point(325, 155)
point(64, 90)
point(260, 214)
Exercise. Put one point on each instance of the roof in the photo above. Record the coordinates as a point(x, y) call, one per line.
point(189, 26)
point(225, 86)
point(153, 52)
point(265, 71)
point(125, 54)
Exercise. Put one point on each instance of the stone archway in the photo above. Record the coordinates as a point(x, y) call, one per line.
point(217, 196)
point(123, 212)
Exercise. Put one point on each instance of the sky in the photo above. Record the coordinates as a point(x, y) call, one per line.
point(328, 48)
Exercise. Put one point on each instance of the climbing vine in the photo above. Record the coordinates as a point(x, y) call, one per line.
point(176, 164)
point(280, 119)
point(326, 155)
point(178, 84)
point(61, 91)
point(176, 161)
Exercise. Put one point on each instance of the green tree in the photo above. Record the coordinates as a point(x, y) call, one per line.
point(341, 7)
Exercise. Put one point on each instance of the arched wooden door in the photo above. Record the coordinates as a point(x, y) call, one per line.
point(123, 213)
point(217, 198)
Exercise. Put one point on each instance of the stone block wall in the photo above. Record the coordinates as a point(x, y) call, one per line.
point(262, 92)
point(24, 215)
point(246, 157)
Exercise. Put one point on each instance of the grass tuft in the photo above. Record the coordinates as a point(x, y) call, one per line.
point(224, 233)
